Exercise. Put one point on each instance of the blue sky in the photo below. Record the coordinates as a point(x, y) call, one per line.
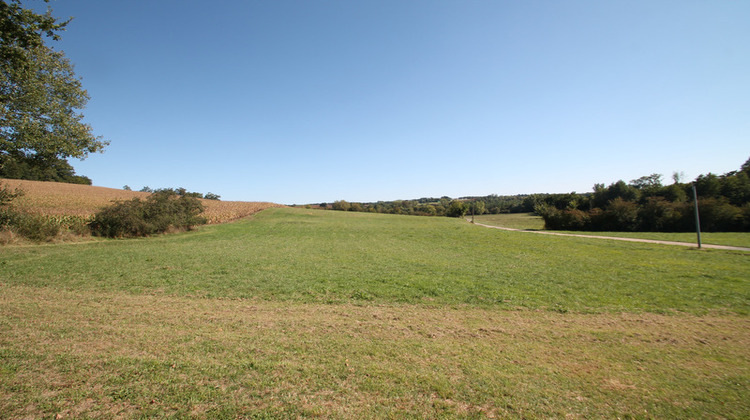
point(316, 101)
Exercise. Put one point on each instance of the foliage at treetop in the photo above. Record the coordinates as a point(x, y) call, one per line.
point(40, 95)
point(181, 192)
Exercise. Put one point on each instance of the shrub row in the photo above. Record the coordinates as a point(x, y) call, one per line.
point(160, 212)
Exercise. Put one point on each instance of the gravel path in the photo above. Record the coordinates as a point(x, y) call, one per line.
point(615, 238)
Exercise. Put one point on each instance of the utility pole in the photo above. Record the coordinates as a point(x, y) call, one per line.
point(697, 217)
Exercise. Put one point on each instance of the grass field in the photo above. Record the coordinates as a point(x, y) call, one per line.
point(533, 222)
point(512, 220)
point(301, 313)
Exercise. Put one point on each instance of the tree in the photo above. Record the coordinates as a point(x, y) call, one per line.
point(708, 185)
point(341, 205)
point(457, 208)
point(648, 183)
point(40, 96)
point(477, 207)
point(746, 167)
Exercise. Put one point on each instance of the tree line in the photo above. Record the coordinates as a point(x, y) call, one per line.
point(179, 191)
point(445, 206)
point(643, 204)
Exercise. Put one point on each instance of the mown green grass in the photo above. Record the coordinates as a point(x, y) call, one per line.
point(317, 256)
point(68, 354)
point(533, 222)
point(302, 313)
point(512, 220)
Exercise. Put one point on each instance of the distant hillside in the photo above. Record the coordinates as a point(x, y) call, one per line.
point(56, 198)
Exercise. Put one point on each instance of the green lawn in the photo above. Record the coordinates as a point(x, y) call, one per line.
point(305, 313)
point(533, 222)
point(318, 256)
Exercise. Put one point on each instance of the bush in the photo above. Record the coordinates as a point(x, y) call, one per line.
point(621, 215)
point(717, 215)
point(555, 219)
point(35, 227)
point(661, 215)
point(8, 217)
point(162, 211)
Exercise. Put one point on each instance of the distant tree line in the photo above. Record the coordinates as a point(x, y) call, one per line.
point(447, 206)
point(643, 204)
point(182, 192)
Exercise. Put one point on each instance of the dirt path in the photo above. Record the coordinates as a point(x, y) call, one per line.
point(615, 238)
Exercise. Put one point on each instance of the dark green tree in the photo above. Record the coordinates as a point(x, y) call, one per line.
point(456, 208)
point(341, 205)
point(40, 95)
point(39, 168)
point(708, 185)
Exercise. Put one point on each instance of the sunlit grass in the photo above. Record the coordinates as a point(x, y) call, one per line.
point(319, 256)
point(120, 355)
point(512, 220)
point(304, 313)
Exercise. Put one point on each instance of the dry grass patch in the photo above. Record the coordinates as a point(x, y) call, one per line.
point(119, 355)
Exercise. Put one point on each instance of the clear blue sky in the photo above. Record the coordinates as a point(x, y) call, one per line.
point(315, 101)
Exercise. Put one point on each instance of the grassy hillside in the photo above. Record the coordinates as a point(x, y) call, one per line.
point(331, 314)
point(61, 199)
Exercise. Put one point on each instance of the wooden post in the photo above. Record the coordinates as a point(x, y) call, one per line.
point(697, 217)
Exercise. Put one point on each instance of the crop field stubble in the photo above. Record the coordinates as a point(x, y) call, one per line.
point(301, 313)
point(60, 200)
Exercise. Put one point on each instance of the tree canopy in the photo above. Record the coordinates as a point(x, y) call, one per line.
point(40, 95)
